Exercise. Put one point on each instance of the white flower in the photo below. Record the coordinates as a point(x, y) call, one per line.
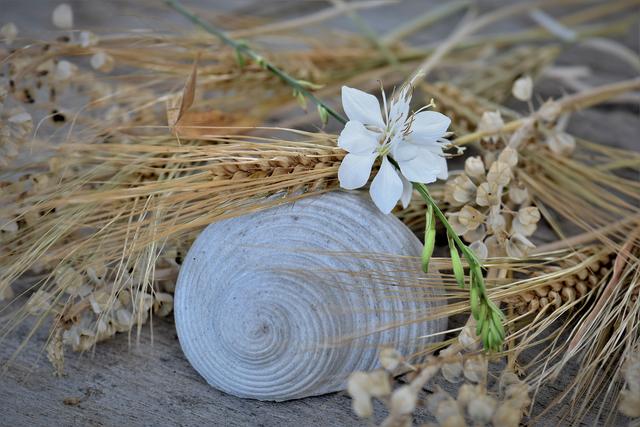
point(414, 142)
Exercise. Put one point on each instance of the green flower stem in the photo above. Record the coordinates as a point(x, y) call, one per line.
point(486, 313)
point(243, 49)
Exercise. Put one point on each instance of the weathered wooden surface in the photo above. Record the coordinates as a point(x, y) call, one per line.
point(149, 382)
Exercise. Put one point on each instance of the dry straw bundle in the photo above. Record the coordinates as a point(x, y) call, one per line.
point(100, 203)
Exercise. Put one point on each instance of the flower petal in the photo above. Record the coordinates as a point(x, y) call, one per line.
point(386, 187)
point(424, 168)
point(443, 168)
point(355, 169)
point(428, 126)
point(439, 159)
point(362, 107)
point(357, 139)
point(407, 192)
point(404, 151)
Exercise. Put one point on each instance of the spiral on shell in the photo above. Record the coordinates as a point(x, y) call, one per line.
point(278, 305)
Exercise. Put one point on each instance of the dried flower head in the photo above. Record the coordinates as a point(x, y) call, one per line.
point(65, 70)
point(561, 143)
point(358, 385)
point(39, 302)
point(390, 358)
point(518, 246)
point(86, 39)
point(475, 368)
point(522, 88)
point(452, 364)
point(499, 173)
point(481, 408)
point(474, 168)
point(549, 111)
point(62, 17)
point(491, 122)
point(102, 61)
point(9, 32)
point(362, 406)
point(403, 400)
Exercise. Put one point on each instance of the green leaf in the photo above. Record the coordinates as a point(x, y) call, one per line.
point(429, 239)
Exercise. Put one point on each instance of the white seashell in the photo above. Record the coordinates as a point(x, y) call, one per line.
point(263, 300)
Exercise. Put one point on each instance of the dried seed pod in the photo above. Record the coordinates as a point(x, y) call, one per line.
point(379, 384)
point(509, 156)
point(518, 195)
point(474, 167)
point(518, 246)
point(362, 406)
point(481, 409)
point(390, 359)
point(491, 123)
point(102, 61)
point(162, 304)
point(499, 173)
point(39, 302)
point(523, 88)
point(507, 415)
point(62, 17)
point(403, 400)
point(467, 392)
point(470, 217)
point(475, 368)
point(561, 143)
point(452, 372)
point(9, 32)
